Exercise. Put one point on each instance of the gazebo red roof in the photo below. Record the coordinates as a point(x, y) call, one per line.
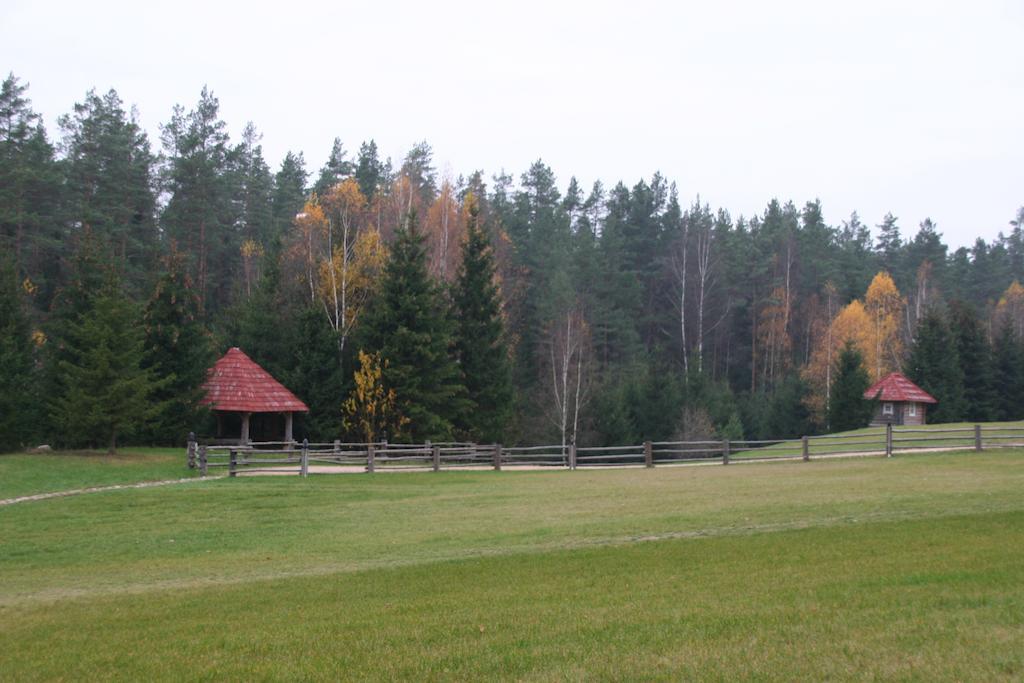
point(896, 387)
point(237, 383)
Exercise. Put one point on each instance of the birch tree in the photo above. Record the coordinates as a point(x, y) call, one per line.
point(568, 371)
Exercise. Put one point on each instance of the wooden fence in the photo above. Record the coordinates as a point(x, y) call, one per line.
point(337, 456)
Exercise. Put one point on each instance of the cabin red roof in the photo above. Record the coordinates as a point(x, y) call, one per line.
point(237, 383)
point(896, 387)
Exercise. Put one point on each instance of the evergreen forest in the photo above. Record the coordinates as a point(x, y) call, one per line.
point(404, 303)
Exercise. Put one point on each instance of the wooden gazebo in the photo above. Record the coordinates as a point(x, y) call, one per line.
point(237, 384)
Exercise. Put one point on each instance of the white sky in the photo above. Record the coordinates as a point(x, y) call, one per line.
point(911, 107)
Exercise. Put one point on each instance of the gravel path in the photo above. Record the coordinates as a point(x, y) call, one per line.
point(355, 469)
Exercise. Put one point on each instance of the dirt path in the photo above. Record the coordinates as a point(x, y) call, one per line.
point(99, 489)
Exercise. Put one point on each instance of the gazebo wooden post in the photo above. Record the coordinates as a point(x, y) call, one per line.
point(244, 440)
point(288, 428)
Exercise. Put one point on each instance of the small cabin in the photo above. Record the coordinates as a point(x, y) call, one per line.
point(900, 401)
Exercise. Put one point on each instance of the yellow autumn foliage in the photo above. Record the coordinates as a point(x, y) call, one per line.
point(355, 277)
point(884, 307)
point(371, 409)
point(1010, 308)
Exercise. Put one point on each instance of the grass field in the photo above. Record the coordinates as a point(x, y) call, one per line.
point(907, 568)
point(22, 474)
point(872, 439)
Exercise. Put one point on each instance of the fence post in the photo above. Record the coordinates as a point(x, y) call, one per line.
point(305, 458)
point(202, 460)
point(806, 448)
point(337, 449)
point(370, 448)
point(888, 439)
point(191, 450)
point(977, 437)
point(648, 454)
point(435, 455)
point(725, 452)
point(232, 462)
point(572, 456)
point(497, 456)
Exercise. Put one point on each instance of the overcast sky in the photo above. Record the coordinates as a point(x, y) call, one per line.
point(911, 107)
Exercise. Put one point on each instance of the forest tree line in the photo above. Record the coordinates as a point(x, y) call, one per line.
point(397, 300)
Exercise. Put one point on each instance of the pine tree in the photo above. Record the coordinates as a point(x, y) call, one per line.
point(335, 170)
point(975, 357)
point(30, 191)
point(934, 366)
point(889, 243)
point(369, 172)
point(255, 188)
point(178, 350)
point(289, 195)
point(408, 326)
point(107, 394)
point(18, 398)
point(848, 409)
point(480, 337)
point(418, 167)
point(203, 208)
point(109, 177)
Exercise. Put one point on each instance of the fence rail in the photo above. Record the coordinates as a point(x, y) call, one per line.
point(338, 456)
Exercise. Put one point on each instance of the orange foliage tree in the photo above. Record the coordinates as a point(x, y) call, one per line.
point(873, 327)
point(444, 231)
point(852, 324)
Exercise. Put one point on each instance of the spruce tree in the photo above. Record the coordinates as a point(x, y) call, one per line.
point(262, 325)
point(107, 393)
point(788, 416)
point(407, 324)
point(1008, 358)
point(315, 375)
point(934, 366)
point(975, 356)
point(848, 409)
point(480, 337)
point(18, 398)
point(178, 350)
point(88, 270)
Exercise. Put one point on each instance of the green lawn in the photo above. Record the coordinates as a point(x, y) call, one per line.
point(25, 474)
point(872, 439)
point(907, 568)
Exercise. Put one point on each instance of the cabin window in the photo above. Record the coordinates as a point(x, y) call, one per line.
point(912, 410)
point(886, 409)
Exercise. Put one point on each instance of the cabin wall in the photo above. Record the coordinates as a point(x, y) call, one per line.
point(900, 415)
point(879, 419)
point(918, 419)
